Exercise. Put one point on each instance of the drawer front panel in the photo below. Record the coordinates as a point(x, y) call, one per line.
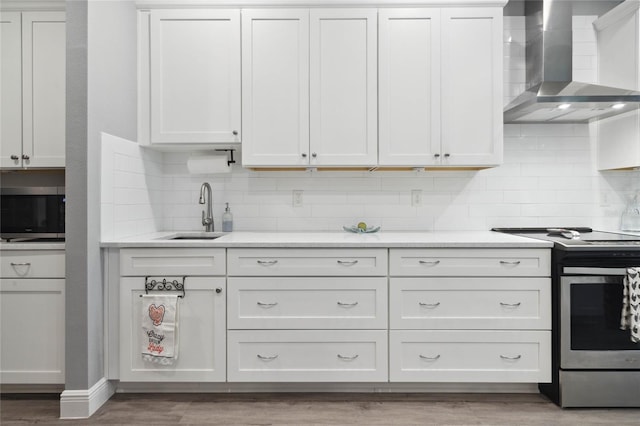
point(307, 356)
point(173, 261)
point(470, 303)
point(470, 262)
point(32, 264)
point(476, 356)
point(307, 302)
point(307, 262)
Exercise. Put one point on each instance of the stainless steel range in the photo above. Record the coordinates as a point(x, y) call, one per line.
point(595, 363)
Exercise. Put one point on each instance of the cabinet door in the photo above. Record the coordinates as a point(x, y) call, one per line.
point(201, 334)
point(275, 84)
point(618, 59)
point(43, 89)
point(471, 86)
point(10, 90)
point(343, 74)
point(195, 76)
point(409, 87)
point(32, 331)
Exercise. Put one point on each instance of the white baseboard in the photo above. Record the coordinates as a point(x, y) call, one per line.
point(81, 404)
point(159, 387)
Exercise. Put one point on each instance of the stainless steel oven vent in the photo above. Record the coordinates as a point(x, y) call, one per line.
point(551, 95)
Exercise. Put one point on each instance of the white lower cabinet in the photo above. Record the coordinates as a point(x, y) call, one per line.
point(292, 317)
point(32, 317)
point(470, 315)
point(371, 315)
point(201, 325)
point(470, 356)
point(307, 356)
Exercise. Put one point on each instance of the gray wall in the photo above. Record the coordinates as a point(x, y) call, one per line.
point(101, 97)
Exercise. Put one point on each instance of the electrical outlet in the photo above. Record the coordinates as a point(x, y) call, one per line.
point(297, 198)
point(416, 197)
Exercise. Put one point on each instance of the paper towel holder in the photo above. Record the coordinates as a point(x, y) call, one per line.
point(230, 161)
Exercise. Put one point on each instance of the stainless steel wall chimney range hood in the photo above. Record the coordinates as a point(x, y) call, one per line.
point(551, 95)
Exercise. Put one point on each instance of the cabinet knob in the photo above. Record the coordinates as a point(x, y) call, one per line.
point(314, 155)
point(25, 157)
point(218, 290)
point(436, 155)
point(15, 157)
point(304, 155)
point(235, 133)
point(446, 155)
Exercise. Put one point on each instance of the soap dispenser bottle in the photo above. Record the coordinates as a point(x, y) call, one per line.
point(227, 220)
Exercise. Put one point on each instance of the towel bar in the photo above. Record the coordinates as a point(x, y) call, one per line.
point(164, 285)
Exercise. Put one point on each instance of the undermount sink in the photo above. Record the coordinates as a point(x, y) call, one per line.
point(194, 236)
point(204, 237)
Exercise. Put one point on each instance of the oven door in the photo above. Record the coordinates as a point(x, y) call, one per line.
point(590, 311)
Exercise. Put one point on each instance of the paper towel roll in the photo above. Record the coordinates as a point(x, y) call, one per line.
point(206, 164)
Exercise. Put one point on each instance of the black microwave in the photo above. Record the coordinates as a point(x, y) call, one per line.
point(32, 212)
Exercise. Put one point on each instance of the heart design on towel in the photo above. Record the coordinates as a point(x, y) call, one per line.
point(156, 313)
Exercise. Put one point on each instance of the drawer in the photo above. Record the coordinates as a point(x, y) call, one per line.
point(307, 302)
point(32, 264)
point(172, 261)
point(470, 303)
point(307, 262)
point(470, 356)
point(307, 356)
point(470, 262)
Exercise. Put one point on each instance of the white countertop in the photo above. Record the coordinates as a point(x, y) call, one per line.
point(486, 239)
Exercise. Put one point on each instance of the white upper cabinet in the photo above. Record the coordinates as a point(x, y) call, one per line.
point(275, 97)
point(409, 97)
point(618, 66)
point(471, 86)
point(441, 87)
point(343, 87)
point(33, 89)
point(309, 87)
point(193, 77)
point(10, 89)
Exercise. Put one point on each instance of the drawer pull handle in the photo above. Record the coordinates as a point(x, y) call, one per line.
point(347, 304)
point(429, 305)
point(429, 262)
point(267, 262)
point(512, 263)
point(267, 305)
point(348, 358)
point(429, 358)
point(510, 305)
point(267, 358)
point(21, 264)
point(511, 358)
point(347, 262)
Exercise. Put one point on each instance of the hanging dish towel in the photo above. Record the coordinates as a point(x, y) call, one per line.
point(630, 318)
point(159, 319)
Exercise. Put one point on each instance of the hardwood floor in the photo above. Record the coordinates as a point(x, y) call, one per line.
point(315, 409)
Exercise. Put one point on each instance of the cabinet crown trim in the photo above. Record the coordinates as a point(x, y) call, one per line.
point(152, 4)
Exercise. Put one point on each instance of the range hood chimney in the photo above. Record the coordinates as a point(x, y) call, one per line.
point(551, 95)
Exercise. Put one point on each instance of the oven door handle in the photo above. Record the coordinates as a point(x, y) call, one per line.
point(573, 270)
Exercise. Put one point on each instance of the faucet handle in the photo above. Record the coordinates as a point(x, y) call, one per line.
point(205, 220)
